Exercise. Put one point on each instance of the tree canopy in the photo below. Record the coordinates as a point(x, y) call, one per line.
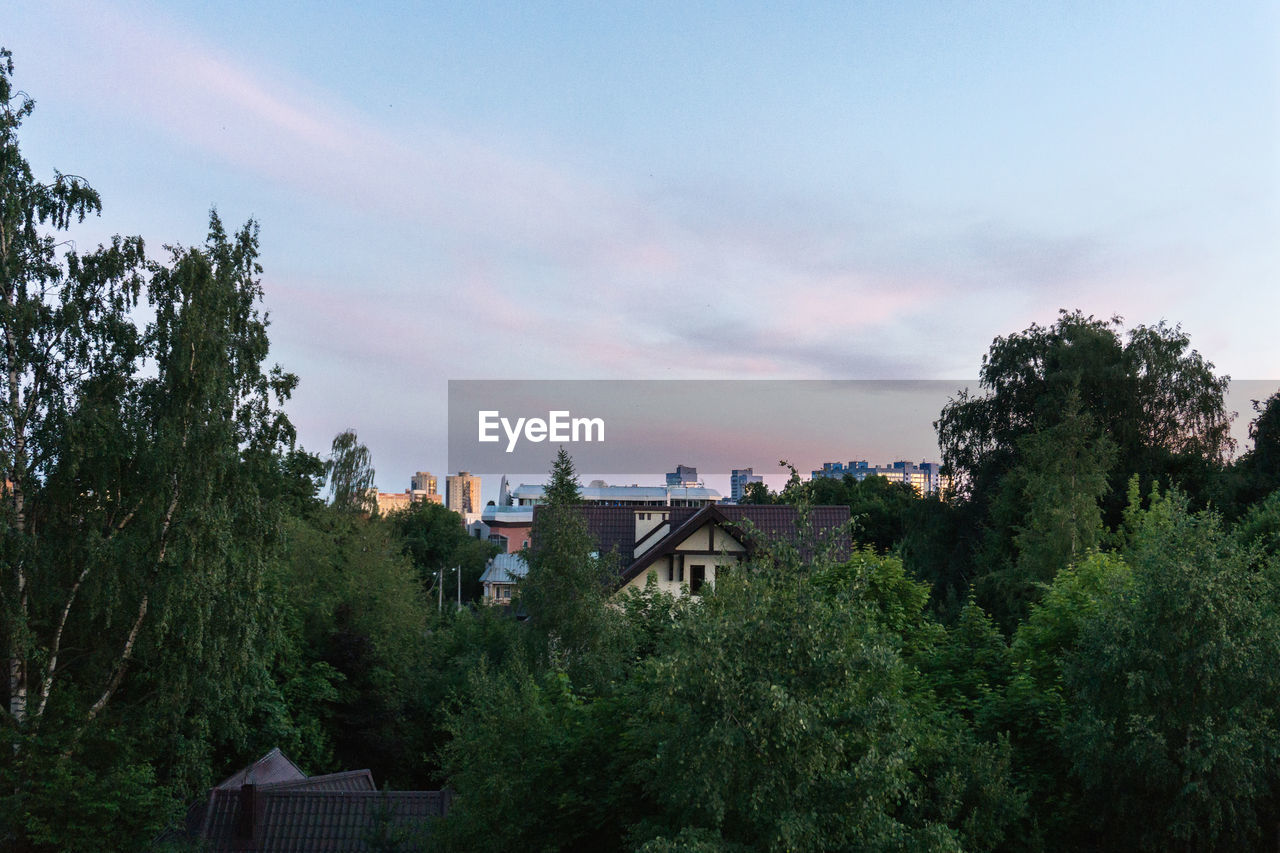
point(1154, 397)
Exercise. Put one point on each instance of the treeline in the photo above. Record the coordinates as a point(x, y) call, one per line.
point(1075, 651)
point(1060, 658)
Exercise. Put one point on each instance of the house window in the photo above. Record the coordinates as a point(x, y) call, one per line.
point(697, 577)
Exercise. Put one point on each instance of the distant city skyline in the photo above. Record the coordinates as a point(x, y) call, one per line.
point(672, 190)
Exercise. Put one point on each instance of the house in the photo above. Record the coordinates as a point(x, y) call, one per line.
point(500, 577)
point(684, 547)
point(507, 526)
point(271, 805)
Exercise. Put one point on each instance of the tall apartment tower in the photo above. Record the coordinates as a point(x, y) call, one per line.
point(462, 492)
point(684, 475)
point(423, 481)
point(738, 482)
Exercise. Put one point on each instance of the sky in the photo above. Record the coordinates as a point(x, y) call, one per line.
point(735, 190)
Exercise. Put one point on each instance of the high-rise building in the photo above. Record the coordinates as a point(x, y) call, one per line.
point(684, 475)
point(423, 481)
point(925, 477)
point(462, 492)
point(738, 482)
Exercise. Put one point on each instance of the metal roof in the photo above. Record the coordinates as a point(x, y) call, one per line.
point(505, 568)
point(275, 766)
point(526, 491)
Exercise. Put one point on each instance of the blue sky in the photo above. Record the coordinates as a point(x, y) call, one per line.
point(680, 190)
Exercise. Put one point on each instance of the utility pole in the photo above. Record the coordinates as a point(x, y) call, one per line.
point(459, 568)
point(440, 590)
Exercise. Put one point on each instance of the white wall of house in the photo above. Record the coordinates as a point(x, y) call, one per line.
point(708, 547)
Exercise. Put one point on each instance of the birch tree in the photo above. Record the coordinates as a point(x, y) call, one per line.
point(132, 521)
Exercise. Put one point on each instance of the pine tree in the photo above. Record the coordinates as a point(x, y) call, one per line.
point(563, 488)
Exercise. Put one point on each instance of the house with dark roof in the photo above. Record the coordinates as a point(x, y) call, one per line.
point(272, 807)
point(684, 547)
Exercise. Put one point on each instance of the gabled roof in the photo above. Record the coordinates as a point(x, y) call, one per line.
point(222, 813)
point(275, 766)
point(614, 527)
point(681, 529)
point(505, 568)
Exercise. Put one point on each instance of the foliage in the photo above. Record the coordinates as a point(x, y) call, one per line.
point(356, 618)
point(1260, 526)
point(1256, 473)
point(562, 489)
point(809, 727)
point(568, 583)
point(1264, 457)
point(349, 470)
point(145, 471)
point(1171, 720)
point(434, 538)
point(1155, 398)
point(756, 493)
point(774, 711)
point(1047, 513)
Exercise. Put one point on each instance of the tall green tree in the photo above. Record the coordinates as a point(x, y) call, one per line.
point(809, 729)
point(356, 614)
point(568, 581)
point(349, 470)
point(1157, 400)
point(1138, 402)
point(562, 489)
point(137, 461)
point(1048, 513)
point(66, 329)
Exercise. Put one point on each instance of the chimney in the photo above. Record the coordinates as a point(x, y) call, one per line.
point(247, 818)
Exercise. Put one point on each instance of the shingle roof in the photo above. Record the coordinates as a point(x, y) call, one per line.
point(610, 526)
point(222, 812)
point(319, 822)
point(613, 528)
point(826, 523)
